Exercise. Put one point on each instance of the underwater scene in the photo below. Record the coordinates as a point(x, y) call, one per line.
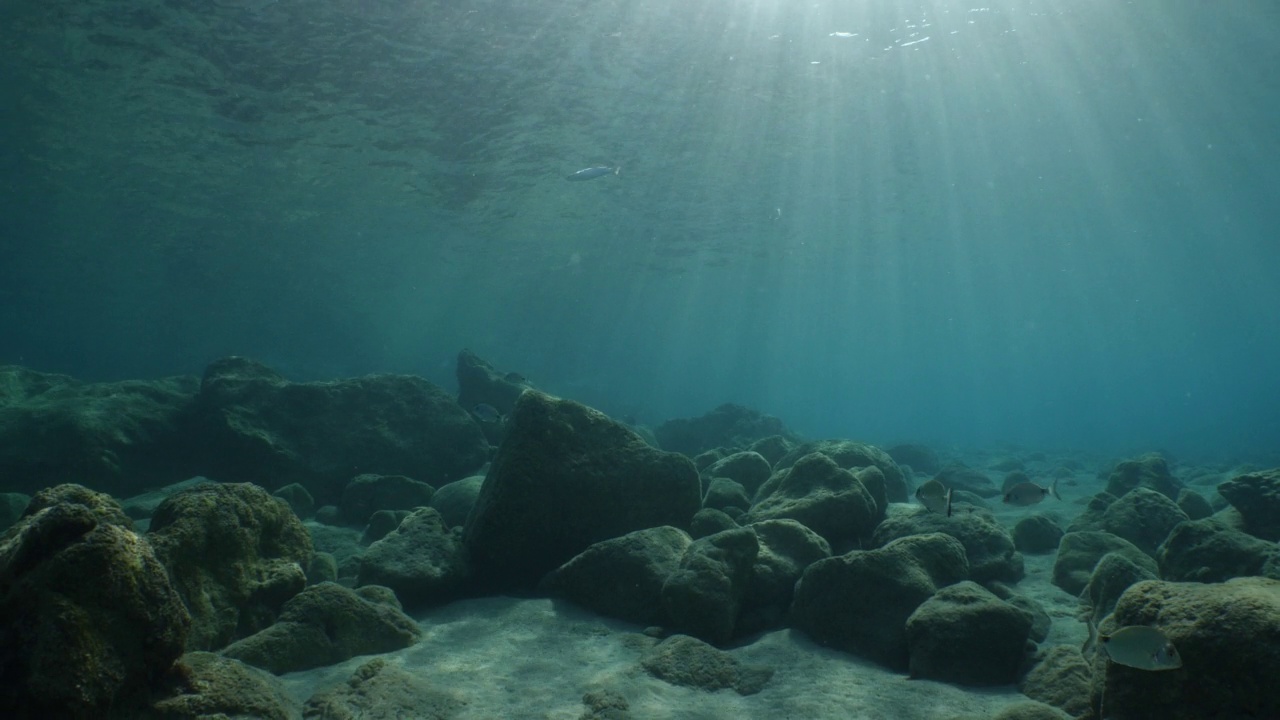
point(664, 359)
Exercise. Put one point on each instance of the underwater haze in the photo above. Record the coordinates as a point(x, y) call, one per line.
point(1007, 221)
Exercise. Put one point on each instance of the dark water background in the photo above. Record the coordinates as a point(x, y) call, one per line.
point(1044, 223)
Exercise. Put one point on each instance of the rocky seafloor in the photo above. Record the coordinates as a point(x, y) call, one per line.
point(243, 546)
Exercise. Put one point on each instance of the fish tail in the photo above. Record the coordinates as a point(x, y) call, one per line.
point(1053, 488)
point(617, 169)
point(948, 502)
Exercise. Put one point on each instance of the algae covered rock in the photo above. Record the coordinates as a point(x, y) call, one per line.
point(323, 625)
point(728, 426)
point(262, 428)
point(421, 560)
point(1144, 517)
point(820, 495)
point(88, 619)
point(1256, 496)
point(748, 468)
point(703, 595)
point(852, 455)
point(1080, 552)
point(367, 494)
point(234, 553)
point(859, 602)
point(964, 634)
point(380, 690)
point(989, 549)
point(218, 687)
point(686, 661)
point(565, 477)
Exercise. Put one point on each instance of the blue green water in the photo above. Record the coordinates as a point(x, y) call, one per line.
point(1043, 223)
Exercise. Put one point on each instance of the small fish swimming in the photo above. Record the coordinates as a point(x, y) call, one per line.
point(935, 497)
point(592, 173)
point(1141, 647)
point(486, 413)
point(1029, 493)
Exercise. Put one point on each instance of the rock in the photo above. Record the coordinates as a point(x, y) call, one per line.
point(959, 476)
point(772, 448)
point(329, 515)
point(921, 458)
point(117, 437)
point(966, 635)
point(1194, 504)
point(455, 500)
point(748, 469)
point(1041, 623)
point(381, 690)
point(851, 455)
point(728, 425)
point(689, 662)
point(479, 383)
point(622, 577)
point(324, 625)
point(605, 705)
point(1037, 534)
point(88, 619)
point(11, 507)
point(1091, 519)
point(704, 460)
point(1079, 553)
point(234, 554)
point(367, 494)
point(1143, 517)
point(816, 492)
point(703, 596)
point(299, 499)
point(568, 476)
point(1113, 574)
point(1228, 635)
point(1149, 471)
point(103, 507)
point(421, 560)
point(859, 602)
point(1030, 711)
point(988, 546)
point(1208, 551)
point(1060, 677)
point(709, 521)
point(142, 506)
point(381, 523)
point(725, 493)
point(218, 687)
point(322, 568)
point(265, 429)
point(1257, 498)
point(786, 549)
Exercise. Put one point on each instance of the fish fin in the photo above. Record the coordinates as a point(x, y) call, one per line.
point(1053, 488)
point(617, 169)
point(948, 502)
point(1093, 636)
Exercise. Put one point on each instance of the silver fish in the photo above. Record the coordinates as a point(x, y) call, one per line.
point(592, 173)
point(486, 413)
point(1029, 493)
point(936, 497)
point(1141, 647)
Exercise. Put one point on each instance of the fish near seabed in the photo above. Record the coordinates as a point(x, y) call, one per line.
point(592, 173)
point(1029, 493)
point(935, 497)
point(1141, 647)
point(486, 413)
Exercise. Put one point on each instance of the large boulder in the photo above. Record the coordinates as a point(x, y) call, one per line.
point(822, 496)
point(622, 577)
point(265, 429)
point(689, 662)
point(324, 625)
point(749, 469)
point(1079, 553)
point(1144, 517)
point(703, 596)
point(1210, 551)
point(729, 425)
point(234, 553)
point(213, 687)
point(88, 619)
point(1256, 496)
point(368, 493)
point(422, 560)
point(1228, 635)
point(383, 690)
point(565, 477)
point(1115, 573)
point(117, 437)
point(1149, 471)
point(786, 549)
point(964, 634)
point(852, 455)
point(859, 602)
point(988, 546)
point(1059, 677)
